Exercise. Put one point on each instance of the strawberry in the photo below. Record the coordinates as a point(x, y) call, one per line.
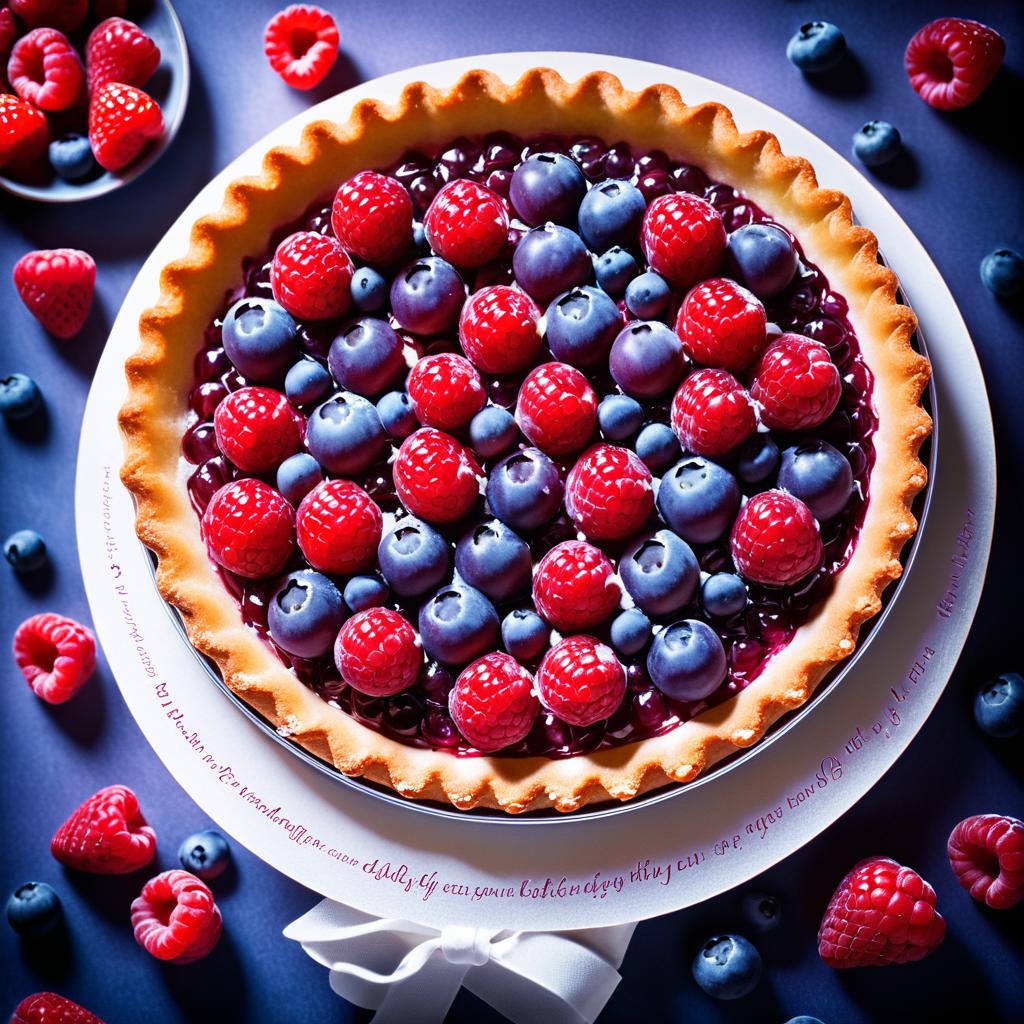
point(106, 835)
point(880, 914)
point(493, 704)
point(436, 478)
point(609, 493)
point(574, 586)
point(581, 681)
point(175, 918)
point(57, 286)
point(775, 540)
point(952, 61)
point(249, 529)
point(557, 408)
point(119, 51)
point(50, 1008)
point(712, 413)
point(123, 120)
point(339, 527)
point(65, 15)
point(24, 136)
point(57, 656)
point(446, 391)
point(301, 43)
point(378, 653)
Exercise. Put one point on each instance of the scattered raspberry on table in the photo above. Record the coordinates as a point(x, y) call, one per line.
point(56, 655)
point(106, 835)
point(986, 853)
point(175, 918)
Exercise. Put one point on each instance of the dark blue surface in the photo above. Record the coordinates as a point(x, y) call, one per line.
point(958, 188)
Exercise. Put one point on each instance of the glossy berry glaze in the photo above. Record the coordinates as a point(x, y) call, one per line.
point(419, 716)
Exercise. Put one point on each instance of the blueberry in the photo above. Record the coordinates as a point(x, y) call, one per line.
point(20, 397)
point(297, 476)
point(427, 295)
point(306, 382)
point(630, 631)
point(259, 338)
point(727, 967)
point(34, 909)
point(25, 550)
point(305, 614)
point(611, 214)
point(581, 325)
point(699, 499)
point(550, 259)
point(687, 660)
point(817, 46)
point(366, 356)
point(495, 560)
point(658, 447)
point(492, 431)
point(206, 854)
point(362, 592)
point(614, 270)
point(619, 417)
point(345, 434)
point(999, 706)
point(458, 624)
point(647, 359)
point(397, 415)
point(723, 595)
point(369, 290)
point(762, 258)
point(660, 573)
point(761, 911)
point(547, 187)
point(1002, 272)
point(876, 143)
point(803, 1018)
point(525, 635)
point(71, 158)
point(647, 295)
point(524, 490)
point(819, 476)
point(414, 557)
point(757, 459)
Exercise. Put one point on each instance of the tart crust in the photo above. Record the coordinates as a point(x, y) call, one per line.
point(193, 289)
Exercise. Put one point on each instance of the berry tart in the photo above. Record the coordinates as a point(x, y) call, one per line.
point(523, 446)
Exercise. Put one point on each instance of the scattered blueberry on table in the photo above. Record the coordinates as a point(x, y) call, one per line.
point(817, 46)
point(761, 911)
point(25, 551)
point(999, 706)
point(727, 966)
point(34, 909)
point(206, 854)
point(1002, 272)
point(20, 397)
point(877, 143)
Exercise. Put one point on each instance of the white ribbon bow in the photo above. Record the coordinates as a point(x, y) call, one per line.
point(411, 973)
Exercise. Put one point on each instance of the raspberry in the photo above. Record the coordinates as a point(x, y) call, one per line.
point(8, 33)
point(952, 61)
point(683, 238)
point(45, 70)
point(608, 493)
point(493, 704)
point(57, 656)
point(339, 527)
point(311, 276)
point(122, 122)
point(436, 478)
point(712, 413)
point(377, 653)
point(372, 217)
point(574, 586)
point(446, 391)
point(175, 919)
point(775, 540)
point(66, 15)
point(24, 136)
point(581, 681)
point(57, 285)
point(467, 224)
point(301, 43)
point(498, 329)
point(796, 384)
point(986, 853)
point(119, 51)
point(722, 325)
point(557, 408)
point(249, 529)
point(256, 429)
point(50, 1008)
point(106, 835)
point(880, 914)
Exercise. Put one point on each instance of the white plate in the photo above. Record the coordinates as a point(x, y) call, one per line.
point(383, 859)
point(169, 87)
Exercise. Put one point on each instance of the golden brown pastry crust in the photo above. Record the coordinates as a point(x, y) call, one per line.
point(193, 289)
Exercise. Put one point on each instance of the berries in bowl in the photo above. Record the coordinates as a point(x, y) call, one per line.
point(94, 102)
point(576, 537)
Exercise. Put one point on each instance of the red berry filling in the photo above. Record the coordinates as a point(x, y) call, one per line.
point(435, 475)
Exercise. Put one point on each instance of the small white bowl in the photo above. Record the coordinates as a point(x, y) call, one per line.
point(168, 86)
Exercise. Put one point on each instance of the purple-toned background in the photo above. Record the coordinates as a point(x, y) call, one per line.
point(959, 188)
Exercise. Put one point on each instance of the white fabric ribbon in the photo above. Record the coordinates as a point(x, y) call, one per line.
point(411, 973)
